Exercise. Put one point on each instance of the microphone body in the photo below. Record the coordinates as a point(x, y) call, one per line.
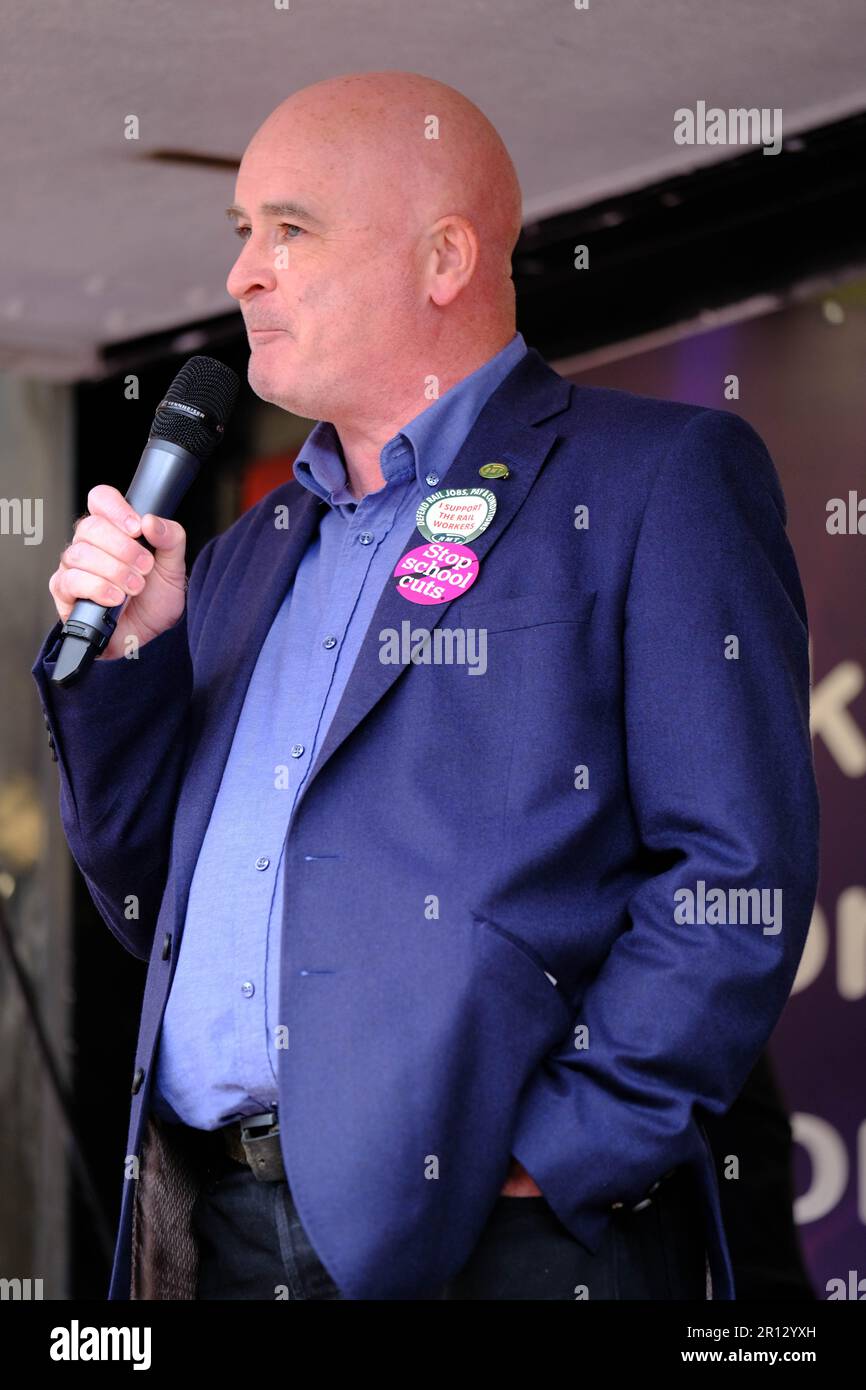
point(193, 416)
point(160, 482)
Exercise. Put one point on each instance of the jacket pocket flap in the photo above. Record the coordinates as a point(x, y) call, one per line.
point(562, 605)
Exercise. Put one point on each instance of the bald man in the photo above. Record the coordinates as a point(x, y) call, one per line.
point(463, 807)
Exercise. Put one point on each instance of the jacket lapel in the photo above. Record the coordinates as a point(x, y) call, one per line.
point(509, 430)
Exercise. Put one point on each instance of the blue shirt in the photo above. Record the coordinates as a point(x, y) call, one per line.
point(222, 1033)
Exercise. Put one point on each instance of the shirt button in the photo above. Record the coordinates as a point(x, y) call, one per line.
point(297, 750)
point(262, 862)
point(248, 989)
point(329, 642)
point(432, 479)
point(366, 537)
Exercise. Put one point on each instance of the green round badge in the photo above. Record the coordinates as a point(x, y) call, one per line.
point(456, 513)
point(495, 470)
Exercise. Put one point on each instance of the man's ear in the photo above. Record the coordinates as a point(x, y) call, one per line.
point(453, 256)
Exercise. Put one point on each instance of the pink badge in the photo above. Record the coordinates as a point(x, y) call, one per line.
point(437, 572)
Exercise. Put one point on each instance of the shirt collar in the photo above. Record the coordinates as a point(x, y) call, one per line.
point(425, 447)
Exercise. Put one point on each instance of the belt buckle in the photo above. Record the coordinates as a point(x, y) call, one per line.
point(263, 1150)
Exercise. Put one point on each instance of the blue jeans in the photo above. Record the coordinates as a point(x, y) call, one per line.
point(251, 1242)
point(252, 1245)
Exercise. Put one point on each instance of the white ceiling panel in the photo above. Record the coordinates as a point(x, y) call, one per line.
point(100, 245)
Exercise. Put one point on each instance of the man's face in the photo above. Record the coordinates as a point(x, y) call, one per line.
point(327, 281)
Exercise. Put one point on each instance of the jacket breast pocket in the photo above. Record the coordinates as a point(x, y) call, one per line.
point(545, 606)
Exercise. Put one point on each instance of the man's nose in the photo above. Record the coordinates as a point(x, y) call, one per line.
point(252, 271)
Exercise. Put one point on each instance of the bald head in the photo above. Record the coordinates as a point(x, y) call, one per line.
point(379, 212)
point(411, 150)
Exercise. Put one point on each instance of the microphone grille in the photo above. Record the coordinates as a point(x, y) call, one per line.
point(195, 408)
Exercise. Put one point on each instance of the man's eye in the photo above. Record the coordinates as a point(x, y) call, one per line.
point(244, 232)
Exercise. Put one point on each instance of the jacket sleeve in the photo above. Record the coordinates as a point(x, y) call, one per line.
point(721, 782)
point(119, 736)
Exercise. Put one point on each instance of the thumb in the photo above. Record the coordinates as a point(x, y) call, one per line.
point(168, 539)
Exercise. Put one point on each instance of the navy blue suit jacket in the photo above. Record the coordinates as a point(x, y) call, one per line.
point(443, 867)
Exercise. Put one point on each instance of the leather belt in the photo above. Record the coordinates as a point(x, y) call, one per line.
point(255, 1141)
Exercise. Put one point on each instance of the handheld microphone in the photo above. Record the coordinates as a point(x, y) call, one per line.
point(188, 424)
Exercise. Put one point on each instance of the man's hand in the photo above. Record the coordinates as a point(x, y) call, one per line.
point(519, 1183)
point(104, 563)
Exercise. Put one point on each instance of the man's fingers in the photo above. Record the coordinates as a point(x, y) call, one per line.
point(104, 500)
point(169, 541)
point(81, 555)
point(106, 564)
point(69, 585)
point(96, 531)
point(64, 608)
